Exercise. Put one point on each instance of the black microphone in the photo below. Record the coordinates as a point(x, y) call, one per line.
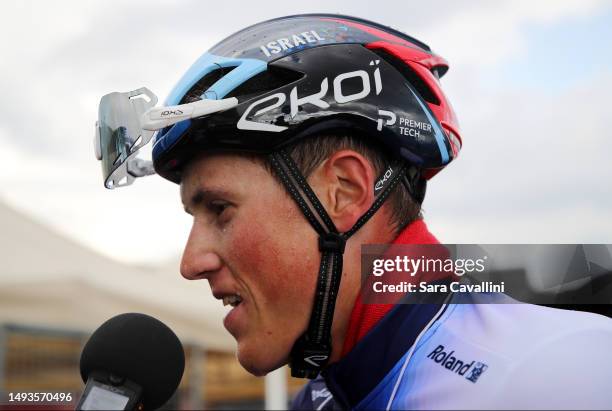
point(131, 362)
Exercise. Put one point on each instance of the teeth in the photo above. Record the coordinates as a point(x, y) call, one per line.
point(232, 300)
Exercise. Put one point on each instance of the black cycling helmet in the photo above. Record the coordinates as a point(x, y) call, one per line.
point(301, 75)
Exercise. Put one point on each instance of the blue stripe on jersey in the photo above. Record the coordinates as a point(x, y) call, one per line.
point(398, 330)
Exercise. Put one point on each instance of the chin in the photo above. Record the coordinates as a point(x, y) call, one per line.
point(261, 360)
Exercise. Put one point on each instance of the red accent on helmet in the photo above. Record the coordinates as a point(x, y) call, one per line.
point(423, 63)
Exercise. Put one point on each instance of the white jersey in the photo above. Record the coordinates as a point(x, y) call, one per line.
point(470, 355)
point(509, 356)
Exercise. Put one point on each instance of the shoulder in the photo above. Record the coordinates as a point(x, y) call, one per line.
point(569, 337)
point(557, 358)
point(562, 337)
point(572, 368)
point(513, 329)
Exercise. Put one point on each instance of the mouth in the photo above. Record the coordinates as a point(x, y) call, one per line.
point(235, 319)
point(234, 300)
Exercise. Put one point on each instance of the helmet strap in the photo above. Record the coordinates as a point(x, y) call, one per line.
point(311, 352)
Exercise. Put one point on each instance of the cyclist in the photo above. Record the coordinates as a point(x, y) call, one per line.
point(297, 140)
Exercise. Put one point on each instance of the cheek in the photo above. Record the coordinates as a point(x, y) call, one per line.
point(281, 251)
point(247, 247)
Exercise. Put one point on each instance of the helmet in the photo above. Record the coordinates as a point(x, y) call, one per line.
point(299, 75)
point(278, 82)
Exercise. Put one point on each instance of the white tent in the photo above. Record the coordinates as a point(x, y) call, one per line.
point(49, 280)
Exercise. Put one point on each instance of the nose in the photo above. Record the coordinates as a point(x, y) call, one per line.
point(200, 257)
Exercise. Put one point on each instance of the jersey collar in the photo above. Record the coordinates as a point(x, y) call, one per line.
point(365, 316)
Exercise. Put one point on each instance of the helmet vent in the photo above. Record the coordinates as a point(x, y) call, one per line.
point(410, 75)
point(198, 89)
point(264, 82)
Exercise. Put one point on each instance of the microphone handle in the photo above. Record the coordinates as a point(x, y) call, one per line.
point(106, 391)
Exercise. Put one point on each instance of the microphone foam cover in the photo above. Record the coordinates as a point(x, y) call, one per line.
point(140, 348)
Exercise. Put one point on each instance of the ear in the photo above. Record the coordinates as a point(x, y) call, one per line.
point(344, 184)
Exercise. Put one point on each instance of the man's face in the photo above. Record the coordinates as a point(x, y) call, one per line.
point(249, 239)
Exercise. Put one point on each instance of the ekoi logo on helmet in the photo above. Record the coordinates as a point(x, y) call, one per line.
point(278, 99)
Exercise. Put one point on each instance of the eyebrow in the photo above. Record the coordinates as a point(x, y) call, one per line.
point(201, 195)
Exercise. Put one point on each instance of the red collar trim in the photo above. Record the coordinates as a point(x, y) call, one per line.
point(365, 316)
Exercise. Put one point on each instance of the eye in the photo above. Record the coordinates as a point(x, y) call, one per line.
point(218, 207)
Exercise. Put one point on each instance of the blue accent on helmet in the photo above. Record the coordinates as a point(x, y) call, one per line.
point(244, 70)
point(438, 133)
point(170, 136)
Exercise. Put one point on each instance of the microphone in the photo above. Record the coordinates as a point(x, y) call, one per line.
point(131, 362)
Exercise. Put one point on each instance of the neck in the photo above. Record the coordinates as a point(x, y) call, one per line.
point(376, 231)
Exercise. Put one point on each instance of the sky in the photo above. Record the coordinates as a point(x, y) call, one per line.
point(530, 82)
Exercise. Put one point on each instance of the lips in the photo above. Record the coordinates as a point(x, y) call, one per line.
point(231, 297)
point(228, 294)
point(235, 320)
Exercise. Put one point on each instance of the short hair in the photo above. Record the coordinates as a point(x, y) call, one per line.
point(309, 153)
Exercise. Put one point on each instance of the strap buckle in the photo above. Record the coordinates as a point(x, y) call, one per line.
point(332, 242)
point(308, 359)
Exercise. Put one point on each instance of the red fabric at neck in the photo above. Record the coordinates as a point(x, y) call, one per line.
point(365, 316)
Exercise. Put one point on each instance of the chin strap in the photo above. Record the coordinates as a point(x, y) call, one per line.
point(311, 352)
